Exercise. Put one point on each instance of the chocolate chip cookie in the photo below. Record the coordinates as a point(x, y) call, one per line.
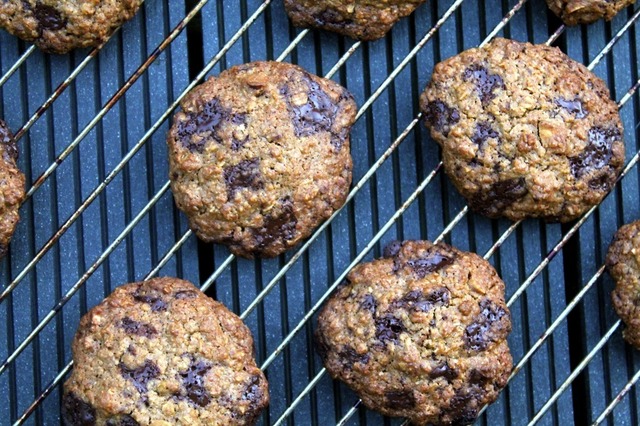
point(162, 353)
point(574, 12)
point(525, 131)
point(61, 26)
point(359, 19)
point(11, 187)
point(259, 156)
point(623, 263)
point(420, 333)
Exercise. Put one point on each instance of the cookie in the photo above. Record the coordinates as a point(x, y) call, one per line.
point(420, 333)
point(61, 26)
point(162, 353)
point(623, 263)
point(574, 12)
point(259, 156)
point(525, 131)
point(11, 187)
point(359, 19)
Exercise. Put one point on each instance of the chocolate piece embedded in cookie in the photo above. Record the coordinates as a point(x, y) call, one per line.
point(259, 156)
point(420, 333)
point(61, 26)
point(137, 364)
point(574, 12)
point(525, 131)
point(11, 186)
point(359, 19)
point(623, 263)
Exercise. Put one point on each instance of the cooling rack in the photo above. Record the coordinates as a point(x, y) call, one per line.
point(91, 127)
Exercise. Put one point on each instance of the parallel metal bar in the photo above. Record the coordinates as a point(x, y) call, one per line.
point(575, 374)
point(619, 397)
point(465, 210)
point(17, 65)
point(121, 165)
point(109, 105)
point(375, 95)
point(58, 379)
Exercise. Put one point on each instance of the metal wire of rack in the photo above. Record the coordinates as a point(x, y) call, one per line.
point(441, 14)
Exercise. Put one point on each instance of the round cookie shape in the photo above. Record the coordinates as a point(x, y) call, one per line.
point(574, 12)
point(160, 352)
point(525, 131)
point(358, 19)
point(60, 26)
point(623, 263)
point(11, 187)
point(420, 333)
point(259, 156)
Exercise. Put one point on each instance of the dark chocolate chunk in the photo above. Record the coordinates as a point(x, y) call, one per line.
point(602, 183)
point(574, 106)
point(392, 249)
point(206, 124)
point(140, 376)
point(388, 328)
point(331, 17)
point(8, 143)
point(193, 383)
point(125, 420)
point(48, 18)
point(500, 196)
point(598, 152)
point(245, 174)
point(139, 329)
point(317, 114)
point(151, 298)
point(483, 132)
point(463, 407)
point(281, 226)
point(487, 326)
point(486, 82)
point(369, 303)
point(349, 356)
point(416, 300)
point(186, 294)
point(400, 399)
point(76, 412)
point(433, 260)
point(237, 144)
point(441, 117)
point(443, 370)
point(477, 378)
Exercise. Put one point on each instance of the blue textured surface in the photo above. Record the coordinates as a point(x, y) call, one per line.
point(348, 235)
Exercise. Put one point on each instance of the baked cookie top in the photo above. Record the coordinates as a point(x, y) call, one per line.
point(259, 156)
point(525, 131)
point(61, 26)
point(162, 353)
point(574, 12)
point(11, 187)
point(623, 263)
point(359, 19)
point(420, 333)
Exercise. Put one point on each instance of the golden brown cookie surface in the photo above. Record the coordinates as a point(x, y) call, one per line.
point(359, 19)
point(11, 187)
point(420, 333)
point(525, 131)
point(61, 26)
point(623, 263)
point(574, 12)
point(259, 156)
point(162, 351)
